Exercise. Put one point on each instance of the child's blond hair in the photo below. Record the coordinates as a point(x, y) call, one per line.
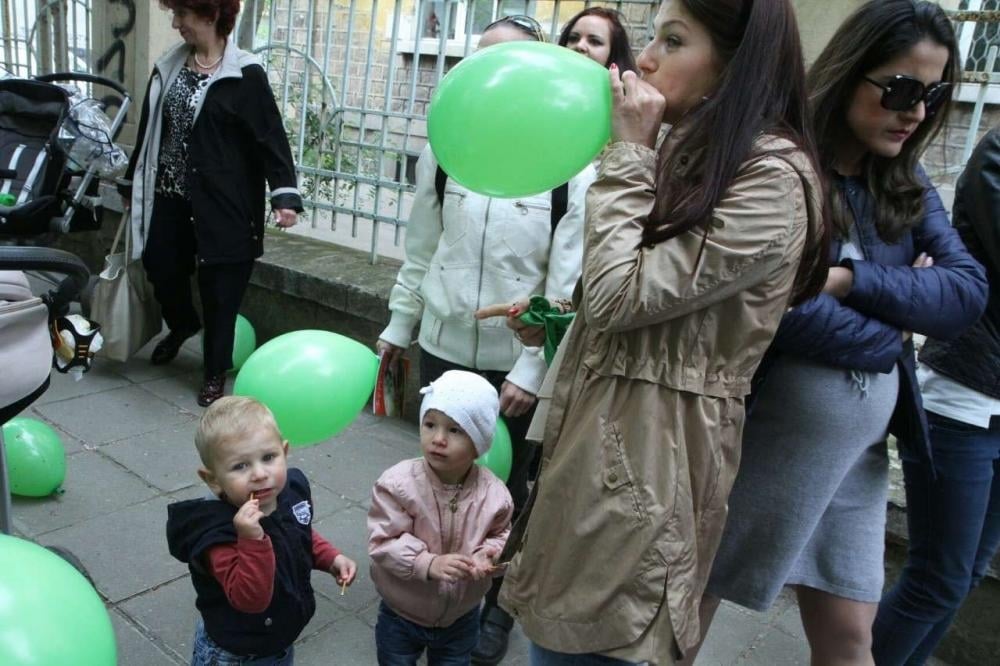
point(228, 417)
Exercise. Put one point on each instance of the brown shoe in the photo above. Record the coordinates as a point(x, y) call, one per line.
point(212, 390)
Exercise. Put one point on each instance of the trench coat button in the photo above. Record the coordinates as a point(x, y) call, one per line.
point(194, 169)
point(268, 622)
point(612, 477)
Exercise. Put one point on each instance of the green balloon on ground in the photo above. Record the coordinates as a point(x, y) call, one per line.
point(315, 382)
point(244, 342)
point(36, 459)
point(498, 459)
point(520, 118)
point(49, 614)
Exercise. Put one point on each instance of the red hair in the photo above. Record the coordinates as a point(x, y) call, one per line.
point(223, 12)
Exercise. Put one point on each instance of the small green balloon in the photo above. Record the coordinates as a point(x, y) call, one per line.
point(49, 614)
point(315, 382)
point(36, 459)
point(244, 342)
point(498, 458)
point(520, 118)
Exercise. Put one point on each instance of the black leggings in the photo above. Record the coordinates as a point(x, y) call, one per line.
point(169, 259)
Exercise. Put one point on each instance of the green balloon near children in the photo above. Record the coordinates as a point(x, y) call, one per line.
point(315, 382)
point(49, 613)
point(36, 459)
point(244, 342)
point(498, 458)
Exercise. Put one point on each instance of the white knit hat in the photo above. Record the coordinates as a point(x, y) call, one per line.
point(468, 400)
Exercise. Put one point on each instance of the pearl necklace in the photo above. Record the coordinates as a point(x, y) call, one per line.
point(209, 65)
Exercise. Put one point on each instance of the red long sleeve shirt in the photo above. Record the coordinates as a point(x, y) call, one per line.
point(245, 569)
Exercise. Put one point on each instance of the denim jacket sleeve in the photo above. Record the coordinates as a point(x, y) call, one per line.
point(823, 329)
point(940, 301)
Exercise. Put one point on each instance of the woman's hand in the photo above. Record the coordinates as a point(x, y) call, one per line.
point(529, 336)
point(636, 109)
point(285, 217)
point(388, 351)
point(839, 281)
point(514, 400)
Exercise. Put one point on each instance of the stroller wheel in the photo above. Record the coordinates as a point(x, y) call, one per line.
point(73, 560)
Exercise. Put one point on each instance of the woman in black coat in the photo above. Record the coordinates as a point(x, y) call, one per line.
point(209, 137)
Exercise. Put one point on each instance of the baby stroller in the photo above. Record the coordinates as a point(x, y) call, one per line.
point(46, 184)
point(41, 189)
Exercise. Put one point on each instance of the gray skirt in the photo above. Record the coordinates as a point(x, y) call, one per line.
point(809, 502)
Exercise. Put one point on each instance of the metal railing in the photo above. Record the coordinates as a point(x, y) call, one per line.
point(354, 78)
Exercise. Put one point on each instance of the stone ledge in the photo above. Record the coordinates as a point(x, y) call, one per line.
point(327, 274)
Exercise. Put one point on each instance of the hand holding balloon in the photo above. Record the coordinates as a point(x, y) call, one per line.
point(636, 109)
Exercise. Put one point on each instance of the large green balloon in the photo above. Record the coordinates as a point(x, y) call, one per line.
point(315, 382)
point(498, 458)
point(244, 341)
point(49, 614)
point(520, 118)
point(36, 459)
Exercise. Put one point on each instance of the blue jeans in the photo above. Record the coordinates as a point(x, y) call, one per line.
point(954, 525)
point(208, 653)
point(400, 642)
point(543, 657)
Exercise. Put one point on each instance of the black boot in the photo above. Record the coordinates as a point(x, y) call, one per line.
point(167, 349)
point(494, 634)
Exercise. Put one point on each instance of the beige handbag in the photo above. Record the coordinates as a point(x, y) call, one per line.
point(26, 348)
point(123, 301)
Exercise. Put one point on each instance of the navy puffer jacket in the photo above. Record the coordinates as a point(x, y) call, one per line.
point(889, 296)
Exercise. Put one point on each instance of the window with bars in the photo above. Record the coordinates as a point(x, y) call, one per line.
point(974, 41)
point(464, 21)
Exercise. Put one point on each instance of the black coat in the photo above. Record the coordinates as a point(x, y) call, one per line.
point(237, 143)
point(973, 358)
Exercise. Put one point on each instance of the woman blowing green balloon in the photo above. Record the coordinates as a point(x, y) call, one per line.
point(463, 250)
point(692, 252)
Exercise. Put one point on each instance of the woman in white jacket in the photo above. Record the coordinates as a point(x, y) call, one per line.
point(465, 251)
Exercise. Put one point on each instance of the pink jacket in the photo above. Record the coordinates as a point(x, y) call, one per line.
point(413, 517)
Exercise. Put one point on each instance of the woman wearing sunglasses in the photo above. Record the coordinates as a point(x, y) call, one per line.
point(809, 504)
point(598, 33)
point(692, 252)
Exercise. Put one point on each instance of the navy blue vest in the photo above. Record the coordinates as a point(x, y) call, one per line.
point(193, 526)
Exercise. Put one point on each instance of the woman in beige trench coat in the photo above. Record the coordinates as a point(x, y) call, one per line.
point(691, 255)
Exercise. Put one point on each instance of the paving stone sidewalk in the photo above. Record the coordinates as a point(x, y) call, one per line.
point(129, 432)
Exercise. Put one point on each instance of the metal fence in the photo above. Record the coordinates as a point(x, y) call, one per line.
point(353, 79)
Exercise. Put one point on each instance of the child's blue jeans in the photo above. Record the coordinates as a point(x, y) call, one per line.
point(400, 642)
point(208, 653)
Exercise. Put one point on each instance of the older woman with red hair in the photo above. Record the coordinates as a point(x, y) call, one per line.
point(209, 137)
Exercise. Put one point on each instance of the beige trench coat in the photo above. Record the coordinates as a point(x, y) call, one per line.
point(642, 435)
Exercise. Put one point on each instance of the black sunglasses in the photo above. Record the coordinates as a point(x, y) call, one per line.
point(525, 24)
point(902, 93)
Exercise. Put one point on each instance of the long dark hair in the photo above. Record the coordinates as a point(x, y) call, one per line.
point(761, 90)
point(874, 34)
point(621, 50)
